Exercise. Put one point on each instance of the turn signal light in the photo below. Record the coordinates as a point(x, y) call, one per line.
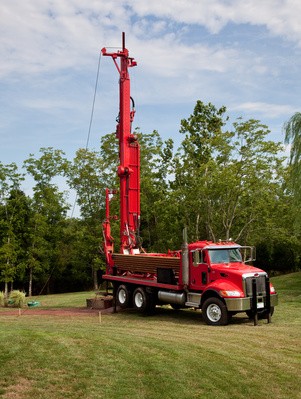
point(230, 293)
point(272, 289)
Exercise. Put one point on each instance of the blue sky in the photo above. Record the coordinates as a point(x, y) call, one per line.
point(245, 55)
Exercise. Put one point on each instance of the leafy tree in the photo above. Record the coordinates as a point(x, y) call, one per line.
point(259, 178)
point(89, 175)
point(156, 156)
point(77, 251)
point(226, 182)
point(292, 130)
point(10, 218)
point(50, 164)
point(48, 212)
point(203, 149)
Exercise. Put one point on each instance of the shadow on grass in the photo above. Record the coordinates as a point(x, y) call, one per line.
point(185, 316)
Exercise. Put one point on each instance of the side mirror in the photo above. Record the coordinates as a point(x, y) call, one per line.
point(248, 254)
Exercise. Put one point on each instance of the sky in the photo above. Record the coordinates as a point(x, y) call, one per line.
point(245, 55)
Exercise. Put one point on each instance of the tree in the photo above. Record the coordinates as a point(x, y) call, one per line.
point(259, 174)
point(226, 182)
point(156, 156)
point(89, 175)
point(49, 209)
point(292, 130)
point(204, 151)
point(77, 254)
point(10, 220)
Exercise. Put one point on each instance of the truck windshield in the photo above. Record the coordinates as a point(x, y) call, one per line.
point(225, 255)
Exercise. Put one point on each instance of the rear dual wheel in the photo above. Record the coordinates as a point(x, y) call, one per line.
point(123, 296)
point(143, 301)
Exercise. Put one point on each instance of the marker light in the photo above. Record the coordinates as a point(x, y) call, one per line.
point(272, 289)
point(230, 293)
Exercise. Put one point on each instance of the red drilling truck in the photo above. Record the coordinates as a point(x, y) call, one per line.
point(213, 277)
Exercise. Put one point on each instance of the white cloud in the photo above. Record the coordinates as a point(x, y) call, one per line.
point(265, 109)
point(51, 35)
point(49, 53)
point(280, 17)
point(167, 57)
point(38, 36)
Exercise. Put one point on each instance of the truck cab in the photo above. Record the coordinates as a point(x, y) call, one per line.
point(222, 281)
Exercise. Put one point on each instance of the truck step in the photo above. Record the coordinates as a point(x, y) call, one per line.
point(192, 304)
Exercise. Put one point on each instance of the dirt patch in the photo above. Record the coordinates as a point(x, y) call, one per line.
point(55, 312)
point(18, 390)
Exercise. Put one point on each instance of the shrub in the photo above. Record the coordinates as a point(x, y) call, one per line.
point(17, 299)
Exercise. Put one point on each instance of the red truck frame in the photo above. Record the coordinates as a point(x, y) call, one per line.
point(213, 277)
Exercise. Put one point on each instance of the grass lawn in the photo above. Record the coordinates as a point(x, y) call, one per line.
point(169, 355)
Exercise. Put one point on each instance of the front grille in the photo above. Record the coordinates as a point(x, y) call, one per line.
point(260, 285)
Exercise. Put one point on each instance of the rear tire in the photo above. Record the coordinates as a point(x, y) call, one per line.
point(215, 312)
point(143, 301)
point(123, 296)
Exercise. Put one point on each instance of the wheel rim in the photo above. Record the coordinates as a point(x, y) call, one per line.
point(122, 296)
point(138, 299)
point(214, 313)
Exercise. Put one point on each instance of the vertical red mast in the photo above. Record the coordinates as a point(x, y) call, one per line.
point(129, 155)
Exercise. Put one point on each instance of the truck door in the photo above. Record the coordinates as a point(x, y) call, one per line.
point(198, 270)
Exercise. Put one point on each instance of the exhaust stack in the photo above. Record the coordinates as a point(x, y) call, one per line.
point(185, 260)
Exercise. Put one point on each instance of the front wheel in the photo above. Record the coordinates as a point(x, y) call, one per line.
point(215, 312)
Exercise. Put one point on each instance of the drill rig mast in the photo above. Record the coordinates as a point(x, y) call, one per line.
point(129, 156)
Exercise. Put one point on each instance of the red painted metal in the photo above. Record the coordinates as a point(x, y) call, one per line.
point(106, 225)
point(129, 155)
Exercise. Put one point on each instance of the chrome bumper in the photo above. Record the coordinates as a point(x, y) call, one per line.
point(243, 304)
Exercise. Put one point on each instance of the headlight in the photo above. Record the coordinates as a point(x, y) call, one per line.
point(230, 293)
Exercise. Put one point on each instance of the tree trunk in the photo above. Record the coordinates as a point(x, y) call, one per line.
point(6, 290)
point(30, 282)
point(95, 280)
point(197, 227)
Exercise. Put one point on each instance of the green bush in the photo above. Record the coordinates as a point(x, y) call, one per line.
point(16, 299)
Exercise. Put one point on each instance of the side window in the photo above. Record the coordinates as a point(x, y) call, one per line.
point(197, 257)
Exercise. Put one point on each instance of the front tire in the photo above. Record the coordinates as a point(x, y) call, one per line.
point(215, 312)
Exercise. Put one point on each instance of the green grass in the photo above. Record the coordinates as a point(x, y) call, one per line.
point(169, 355)
point(77, 299)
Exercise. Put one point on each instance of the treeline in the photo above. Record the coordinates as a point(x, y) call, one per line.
point(222, 182)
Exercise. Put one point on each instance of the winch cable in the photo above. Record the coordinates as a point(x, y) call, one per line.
point(91, 120)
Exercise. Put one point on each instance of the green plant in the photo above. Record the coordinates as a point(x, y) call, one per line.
point(17, 299)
